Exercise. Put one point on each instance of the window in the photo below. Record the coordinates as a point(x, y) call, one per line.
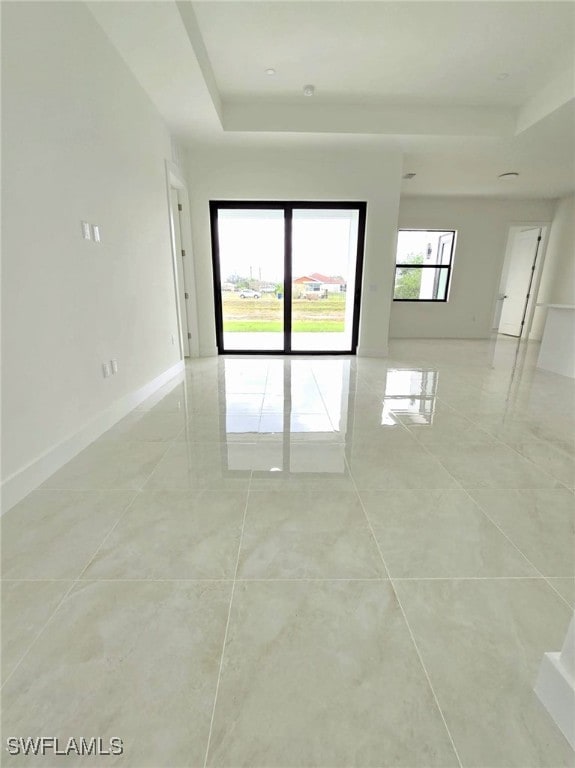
point(306, 251)
point(423, 264)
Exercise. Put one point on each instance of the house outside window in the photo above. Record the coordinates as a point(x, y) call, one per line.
point(318, 285)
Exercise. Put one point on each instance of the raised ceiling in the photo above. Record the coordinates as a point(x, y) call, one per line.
point(391, 52)
point(426, 77)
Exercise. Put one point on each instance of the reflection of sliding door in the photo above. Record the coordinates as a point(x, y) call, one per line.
point(287, 276)
point(286, 419)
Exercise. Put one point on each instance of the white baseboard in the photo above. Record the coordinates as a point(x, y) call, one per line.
point(19, 484)
point(556, 691)
point(363, 351)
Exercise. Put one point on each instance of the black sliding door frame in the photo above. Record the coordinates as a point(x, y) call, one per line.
point(288, 209)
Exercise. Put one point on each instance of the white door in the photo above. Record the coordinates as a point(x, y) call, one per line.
point(182, 294)
point(522, 258)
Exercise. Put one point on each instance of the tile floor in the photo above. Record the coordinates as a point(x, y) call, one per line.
point(281, 563)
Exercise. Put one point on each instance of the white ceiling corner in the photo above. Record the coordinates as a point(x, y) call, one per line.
point(424, 75)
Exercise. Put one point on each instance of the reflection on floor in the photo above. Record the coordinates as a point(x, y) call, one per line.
point(300, 341)
point(304, 562)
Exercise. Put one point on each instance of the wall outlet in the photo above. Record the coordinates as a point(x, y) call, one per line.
point(86, 231)
point(114, 366)
point(106, 370)
point(173, 339)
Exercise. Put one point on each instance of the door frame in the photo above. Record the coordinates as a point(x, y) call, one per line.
point(288, 207)
point(531, 303)
point(186, 310)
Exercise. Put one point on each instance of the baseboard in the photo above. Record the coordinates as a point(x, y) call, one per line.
point(481, 337)
point(556, 692)
point(19, 485)
point(363, 351)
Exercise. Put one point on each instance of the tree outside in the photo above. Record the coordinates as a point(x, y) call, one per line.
point(408, 280)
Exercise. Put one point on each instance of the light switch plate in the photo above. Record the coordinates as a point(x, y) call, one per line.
point(96, 233)
point(86, 233)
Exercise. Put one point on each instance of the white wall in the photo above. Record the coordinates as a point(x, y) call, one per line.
point(482, 227)
point(247, 173)
point(558, 278)
point(81, 141)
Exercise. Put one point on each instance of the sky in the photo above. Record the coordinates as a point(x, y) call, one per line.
point(414, 241)
point(321, 243)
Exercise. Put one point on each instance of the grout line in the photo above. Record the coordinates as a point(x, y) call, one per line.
point(470, 578)
point(89, 490)
point(129, 581)
point(288, 579)
point(326, 409)
point(497, 439)
point(77, 580)
point(538, 467)
point(166, 443)
point(491, 520)
point(541, 575)
point(74, 581)
point(113, 528)
point(418, 652)
point(40, 632)
point(227, 626)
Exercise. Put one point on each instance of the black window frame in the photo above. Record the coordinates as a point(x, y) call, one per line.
point(288, 207)
point(447, 267)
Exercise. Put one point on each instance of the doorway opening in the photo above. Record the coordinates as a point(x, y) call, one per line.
point(519, 281)
point(287, 276)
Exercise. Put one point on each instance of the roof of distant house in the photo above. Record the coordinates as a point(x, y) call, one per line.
point(334, 279)
point(317, 277)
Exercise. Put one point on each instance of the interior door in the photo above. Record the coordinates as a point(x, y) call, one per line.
point(180, 276)
point(521, 264)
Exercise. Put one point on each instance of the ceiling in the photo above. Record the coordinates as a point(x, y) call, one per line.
point(467, 90)
point(395, 52)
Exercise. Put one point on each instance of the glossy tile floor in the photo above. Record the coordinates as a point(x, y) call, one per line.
point(304, 562)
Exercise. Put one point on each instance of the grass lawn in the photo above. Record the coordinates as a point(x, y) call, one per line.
point(266, 314)
point(301, 326)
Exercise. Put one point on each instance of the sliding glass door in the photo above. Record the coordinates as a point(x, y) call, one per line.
point(324, 258)
point(287, 276)
point(250, 247)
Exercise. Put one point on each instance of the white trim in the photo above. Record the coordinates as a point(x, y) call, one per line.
point(363, 351)
point(178, 271)
point(557, 694)
point(175, 180)
point(19, 485)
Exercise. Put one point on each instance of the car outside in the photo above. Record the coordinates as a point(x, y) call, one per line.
point(249, 294)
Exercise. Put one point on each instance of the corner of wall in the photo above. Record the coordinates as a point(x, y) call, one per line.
point(27, 479)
